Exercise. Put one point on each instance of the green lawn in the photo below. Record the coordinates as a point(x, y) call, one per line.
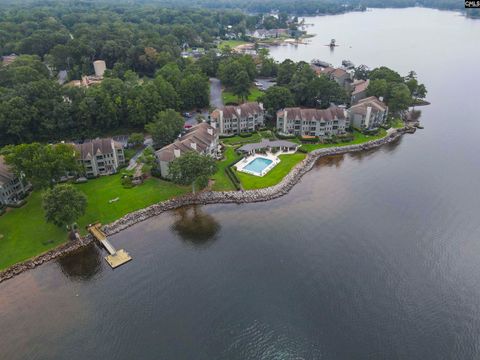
point(24, 232)
point(230, 43)
point(396, 123)
point(222, 181)
point(274, 176)
point(237, 140)
point(228, 97)
point(359, 138)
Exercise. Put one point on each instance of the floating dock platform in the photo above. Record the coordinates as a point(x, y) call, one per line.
point(116, 257)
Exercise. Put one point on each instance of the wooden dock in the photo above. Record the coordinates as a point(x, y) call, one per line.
point(116, 257)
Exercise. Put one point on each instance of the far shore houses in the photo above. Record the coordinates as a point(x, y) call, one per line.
point(243, 118)
point(12, 187)
point(202, 138)
point(312, 122)
point(100, 156)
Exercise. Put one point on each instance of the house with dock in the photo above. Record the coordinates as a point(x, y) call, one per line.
point(100, 156)
point(12, 187)
point(202, 138)
point(243, 118)
point(313, 122)
point(368, 114)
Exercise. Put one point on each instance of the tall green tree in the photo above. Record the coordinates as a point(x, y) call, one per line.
point(165, 127)
point(64, 204)
point(192, 168)
point(242, 85)
point(400, 98)
point(42, 165)
point(276, 98)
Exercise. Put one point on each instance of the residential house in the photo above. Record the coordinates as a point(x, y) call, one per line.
point(268, 34)
point(239, 119)
point(359, 91)
point(8, 59)
point(100, 156)
point(202, 138)
point(340, 76)
point(12, 187)
point(312, 122)
point(368, 114)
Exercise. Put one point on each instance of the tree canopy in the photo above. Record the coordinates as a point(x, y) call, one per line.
point(192, 168)
point(42, 165)
point(64, 204)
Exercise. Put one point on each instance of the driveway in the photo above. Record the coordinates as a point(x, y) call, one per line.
point(216, 100)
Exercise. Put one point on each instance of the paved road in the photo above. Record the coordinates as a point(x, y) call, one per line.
point(266, 82)
point(216, 100)
point(133, 161)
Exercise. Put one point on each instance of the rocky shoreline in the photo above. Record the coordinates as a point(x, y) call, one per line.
point(203, 198)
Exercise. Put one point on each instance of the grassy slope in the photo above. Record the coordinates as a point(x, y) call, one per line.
point(26, 234)
point(359, 139)
point(222, 181)
point(274, 176)
point(231, 43)
point(229, 97)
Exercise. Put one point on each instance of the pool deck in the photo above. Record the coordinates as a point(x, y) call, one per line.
point(242, 164)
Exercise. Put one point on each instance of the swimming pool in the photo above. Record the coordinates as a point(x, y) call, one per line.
point(258, 164)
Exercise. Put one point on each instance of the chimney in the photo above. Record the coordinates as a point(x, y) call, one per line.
point(380, 98)
point(210, 131)
point(176, 152)
point(193, 146)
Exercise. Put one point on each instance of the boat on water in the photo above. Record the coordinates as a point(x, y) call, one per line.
point(320, 63)
point(347, 64)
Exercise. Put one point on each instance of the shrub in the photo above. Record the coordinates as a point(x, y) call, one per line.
point(245, 135)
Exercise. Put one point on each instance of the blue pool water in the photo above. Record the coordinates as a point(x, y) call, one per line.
point(257, 165)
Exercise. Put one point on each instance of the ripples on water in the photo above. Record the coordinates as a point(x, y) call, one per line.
point(371, 256)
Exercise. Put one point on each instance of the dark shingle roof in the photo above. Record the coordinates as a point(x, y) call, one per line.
point(198, 134)
point(295, 113)
point(95, 147)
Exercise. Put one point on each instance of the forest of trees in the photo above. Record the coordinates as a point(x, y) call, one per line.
point(141, 46)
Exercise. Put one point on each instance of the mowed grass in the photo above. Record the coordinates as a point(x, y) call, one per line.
point(222, 181)
point(359, 138)
point(229, 97)
point(231, 44)
point(24, 232)
point(274, 176)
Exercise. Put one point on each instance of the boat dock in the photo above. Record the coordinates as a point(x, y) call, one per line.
point(116, 257)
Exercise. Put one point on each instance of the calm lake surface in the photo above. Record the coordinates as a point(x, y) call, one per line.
point(371, 256)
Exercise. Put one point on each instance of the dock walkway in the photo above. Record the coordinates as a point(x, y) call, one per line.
point(116, 257)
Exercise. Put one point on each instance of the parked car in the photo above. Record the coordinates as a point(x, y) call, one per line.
point(187, 114)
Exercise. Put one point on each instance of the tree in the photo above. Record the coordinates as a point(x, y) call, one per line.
point(42, 165)
point(136, 139)
point(378, 88)
point(285, 72)
point(276, 98)
point(194, 90)
point(192, 168)
point(64, 204)
point(400, 98)
point(361, 72)
point(242, 84)
point(165, 127)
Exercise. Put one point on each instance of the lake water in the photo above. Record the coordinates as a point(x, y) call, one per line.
point(371, 256)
